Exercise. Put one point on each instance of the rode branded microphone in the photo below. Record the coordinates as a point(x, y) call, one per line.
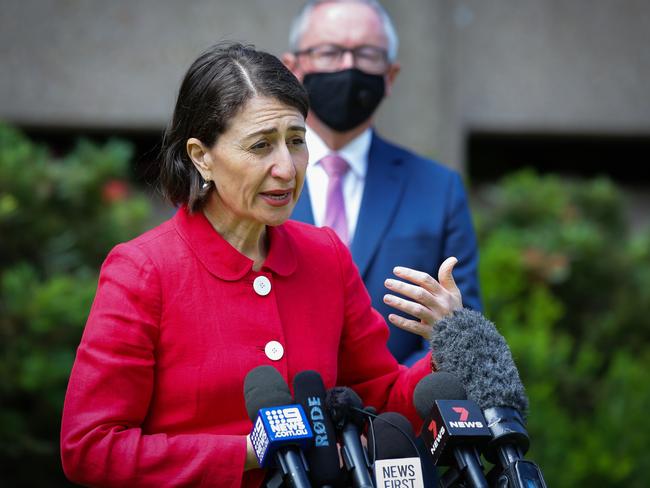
point(323, 455)
point(345, 408)
point(481, 359)
point(280, 429)
point(454, 428)
point(391, 443)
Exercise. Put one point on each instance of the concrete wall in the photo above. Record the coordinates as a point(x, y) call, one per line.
point(558, 66)
point(503, 65)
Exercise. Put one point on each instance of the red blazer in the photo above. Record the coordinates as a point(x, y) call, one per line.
point(155, 396)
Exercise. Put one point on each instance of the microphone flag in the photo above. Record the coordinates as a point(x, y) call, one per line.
point(276, 427)
point(452, 423)
point(398, 473)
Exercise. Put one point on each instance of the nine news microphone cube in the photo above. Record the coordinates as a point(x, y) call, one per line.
point(452, 423)
point(277, 427)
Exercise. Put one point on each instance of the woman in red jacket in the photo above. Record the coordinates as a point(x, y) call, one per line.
point(186, 310)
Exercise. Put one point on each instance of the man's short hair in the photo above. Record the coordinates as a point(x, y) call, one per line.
point(299, 24)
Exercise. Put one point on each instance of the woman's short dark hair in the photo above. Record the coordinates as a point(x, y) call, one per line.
point(215, 88)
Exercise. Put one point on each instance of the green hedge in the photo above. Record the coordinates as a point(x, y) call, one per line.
point(568, 285)
point(562, 278)
point(59, 217)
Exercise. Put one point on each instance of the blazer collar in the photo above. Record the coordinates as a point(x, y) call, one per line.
point(223, 260)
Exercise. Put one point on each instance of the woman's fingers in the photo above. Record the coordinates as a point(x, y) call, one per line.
point(419, 278)
point(417, 293)
point(430, 300)
point(422, 312)
point(409, 325)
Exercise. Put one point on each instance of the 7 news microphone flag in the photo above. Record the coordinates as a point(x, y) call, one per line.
point(453, 431)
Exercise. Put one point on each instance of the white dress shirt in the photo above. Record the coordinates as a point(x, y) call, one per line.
point(356, 155)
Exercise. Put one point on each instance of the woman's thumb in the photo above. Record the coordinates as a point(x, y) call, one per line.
point(445, 277)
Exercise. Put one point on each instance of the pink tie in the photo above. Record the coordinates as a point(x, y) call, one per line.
point(336, 167)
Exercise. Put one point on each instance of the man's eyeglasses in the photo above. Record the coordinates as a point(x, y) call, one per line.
point(328, 57)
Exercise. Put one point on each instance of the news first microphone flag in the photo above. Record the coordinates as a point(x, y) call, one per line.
point(397, 464)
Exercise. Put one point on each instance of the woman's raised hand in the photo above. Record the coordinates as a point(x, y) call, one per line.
point(430, 300)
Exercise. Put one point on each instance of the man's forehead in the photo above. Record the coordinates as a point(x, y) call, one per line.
point(349, 24)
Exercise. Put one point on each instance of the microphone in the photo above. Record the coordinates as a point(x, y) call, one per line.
point(323, 456)
point(397, 461)
point(346, 411)
point(453, 428)
point(280, 429)
point(481, 359)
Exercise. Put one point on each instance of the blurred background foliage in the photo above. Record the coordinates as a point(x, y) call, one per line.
point(563, 277)
point(59, 217)
point(567, 283)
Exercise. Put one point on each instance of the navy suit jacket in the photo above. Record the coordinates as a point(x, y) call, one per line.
point(413, 213)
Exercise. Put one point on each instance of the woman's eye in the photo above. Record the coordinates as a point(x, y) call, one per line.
point(297, 141)
point(259, 145)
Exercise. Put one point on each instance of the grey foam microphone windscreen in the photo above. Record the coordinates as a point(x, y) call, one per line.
point(468, 345)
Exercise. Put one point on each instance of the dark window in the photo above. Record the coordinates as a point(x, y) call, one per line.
point(623, 158)
point(146, 144)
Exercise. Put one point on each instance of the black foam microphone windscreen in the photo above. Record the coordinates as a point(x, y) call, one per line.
point(345, 408)
point(436, 386)
point(392, 437)
point(391, 444)
point(265, 387)
point(344, 405)
point(323, 457)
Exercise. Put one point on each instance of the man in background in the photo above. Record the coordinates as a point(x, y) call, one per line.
point(391, 206)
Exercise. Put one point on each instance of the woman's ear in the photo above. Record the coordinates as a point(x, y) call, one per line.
point(200, 156)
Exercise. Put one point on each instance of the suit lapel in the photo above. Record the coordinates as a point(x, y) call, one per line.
point(382, 191)
point(302, 211)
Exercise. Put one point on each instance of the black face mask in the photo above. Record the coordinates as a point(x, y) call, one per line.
point(344, 99)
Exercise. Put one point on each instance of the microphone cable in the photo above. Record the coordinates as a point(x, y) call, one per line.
point(372, 417)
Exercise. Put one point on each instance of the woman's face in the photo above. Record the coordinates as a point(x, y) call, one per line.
point(258, 165)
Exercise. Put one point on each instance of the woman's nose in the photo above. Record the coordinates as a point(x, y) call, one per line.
point(283, 166)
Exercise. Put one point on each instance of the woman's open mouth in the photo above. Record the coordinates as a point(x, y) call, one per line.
point(277, 198)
